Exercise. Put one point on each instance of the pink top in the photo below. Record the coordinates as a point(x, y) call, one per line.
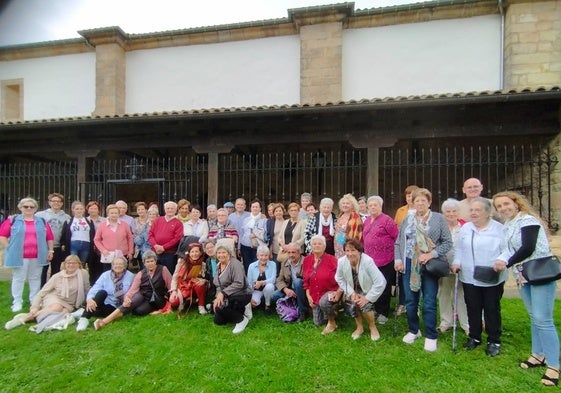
point(379, 236)
point(114, 237)
point(30, 240)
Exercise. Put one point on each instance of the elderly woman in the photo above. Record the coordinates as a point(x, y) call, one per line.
point(478, 246)
point(379, 234)
point(252, 233)
point(195, 226)
point(422, 236)
point(107, 293)
point(322, 290)
point(77, 236)
point(233, 295)
point(223, 229)
point(273, 231)
point(403, 211)
point(183, 209)
point(138, 299)
point(305, 200)
point(113, 238)
point(63, 293)
point(93, 208)
point(527, 240)
point(322, 223)
point(363, 283)
point(211, 211)
point(292, 231)
point(446, 284)
point(261, 276)
point(28, 241)
point(349, 224)
point(189, 279)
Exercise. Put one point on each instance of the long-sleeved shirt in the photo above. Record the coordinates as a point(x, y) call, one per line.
point(378, 235)
point(166, 233)
point(320, 280)
point(232, 280)
point(253, 273)
point(110, 237)
point(105, 282)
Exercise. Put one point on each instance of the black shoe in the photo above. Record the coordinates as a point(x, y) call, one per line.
point(493, 349)
point(471, 343)
point(301, 317)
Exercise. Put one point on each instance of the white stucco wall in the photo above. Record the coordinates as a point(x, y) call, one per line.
point(445, 56)
point(57, 86)
point(244, 73)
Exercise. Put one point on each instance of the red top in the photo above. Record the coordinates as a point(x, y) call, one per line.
point(166, 234)
point(321, 280)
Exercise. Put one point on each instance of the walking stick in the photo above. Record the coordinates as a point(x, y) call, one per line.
point(455, 313)
point(396, 303)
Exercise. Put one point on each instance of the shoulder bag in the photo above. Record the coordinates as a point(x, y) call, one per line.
point(484, 274)
point(542, 270)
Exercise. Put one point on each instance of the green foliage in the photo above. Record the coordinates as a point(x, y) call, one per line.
point(164, 354)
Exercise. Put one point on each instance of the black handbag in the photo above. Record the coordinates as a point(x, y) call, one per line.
point(542, 270)
point(437, 267)
point(485, 274)
point(350, 308)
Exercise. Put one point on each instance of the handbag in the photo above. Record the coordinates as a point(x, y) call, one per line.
point(485, 274)
point(350, 308)
point(156, 301)
point(282, 256)
point(287, 309)
point(542, 270)
point(437, 267)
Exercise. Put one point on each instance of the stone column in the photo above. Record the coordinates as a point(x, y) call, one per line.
point(213, 150)
point(110, 67)
point(321, 51)
point(81, 158)
point(372, 146)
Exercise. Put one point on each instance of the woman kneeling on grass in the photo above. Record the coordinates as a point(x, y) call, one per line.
point(363, 284)
point(153, 278)
point(63, 293)
point(233, 295)
point(107, 293)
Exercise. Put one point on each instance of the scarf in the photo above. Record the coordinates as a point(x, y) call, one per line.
point(421, 245)
point(65, 289)
point(253, 220)
point(325, 222)
point(118, 283)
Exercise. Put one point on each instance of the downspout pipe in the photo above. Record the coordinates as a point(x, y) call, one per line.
point(502, 45)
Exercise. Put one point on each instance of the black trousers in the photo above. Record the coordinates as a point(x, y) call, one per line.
point(102, 309)
point(234, 311)
point(382, 305)
point(488, 301)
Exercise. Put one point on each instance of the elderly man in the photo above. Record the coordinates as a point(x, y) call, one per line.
point(123, 208)
point(473, 189)
point(165, 234)
point(289, 281)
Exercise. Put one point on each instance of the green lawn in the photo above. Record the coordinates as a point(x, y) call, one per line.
point(163, 354)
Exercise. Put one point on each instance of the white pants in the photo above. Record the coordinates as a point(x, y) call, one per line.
point(446, 302)
point(30, 270)
point(267, 292)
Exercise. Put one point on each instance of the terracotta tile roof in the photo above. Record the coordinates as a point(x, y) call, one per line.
point(374, 103)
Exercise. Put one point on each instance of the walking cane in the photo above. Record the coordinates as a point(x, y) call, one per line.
point(455, 313)
point(396, 303)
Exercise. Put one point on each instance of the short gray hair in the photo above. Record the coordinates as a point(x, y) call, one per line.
point(484, 201)
point(263, 249)
point(450, 203)
point(148, 255)
point(211, 206)
point(326, 201)
point(376, 198)
point(172, 203)
point(319, 237)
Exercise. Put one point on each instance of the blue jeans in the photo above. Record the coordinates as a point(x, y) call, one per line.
point(539, 301)
point(429, 289)
point(80, 248)
point(301, 299)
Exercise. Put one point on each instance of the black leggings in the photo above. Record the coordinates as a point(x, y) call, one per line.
point(234, 311)
point(102, 309)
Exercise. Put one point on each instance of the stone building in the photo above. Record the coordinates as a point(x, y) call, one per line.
point(329, 100)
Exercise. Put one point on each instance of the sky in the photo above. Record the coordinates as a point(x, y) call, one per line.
point(25, 21)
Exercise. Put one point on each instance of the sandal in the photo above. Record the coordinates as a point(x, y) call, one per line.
point(526, 364)
point(550, 381)
point(329, 329)
point(99, 324)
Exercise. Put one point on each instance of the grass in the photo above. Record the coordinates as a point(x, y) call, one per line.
point(163, 354)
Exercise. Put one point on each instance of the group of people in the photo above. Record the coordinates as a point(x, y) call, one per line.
point(236, 261)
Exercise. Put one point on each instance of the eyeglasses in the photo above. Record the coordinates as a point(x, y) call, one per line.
point(28, 207)
point(55, 201)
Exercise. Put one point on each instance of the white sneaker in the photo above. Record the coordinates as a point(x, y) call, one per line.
point(78, 313)
point(202, 310)
point(382, 319)
point(82, 324)
point(248, 311)
point(16, 307)
point(430, 344)
point(410, 338)
point(241, 325)
point(15, 321)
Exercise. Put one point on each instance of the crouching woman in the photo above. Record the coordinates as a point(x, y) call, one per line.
point(140, 300)
point(233, 295)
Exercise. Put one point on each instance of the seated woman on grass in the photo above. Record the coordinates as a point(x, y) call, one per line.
point(107, 293)
point(261, 276)
point(63, 293)
point(153, 278)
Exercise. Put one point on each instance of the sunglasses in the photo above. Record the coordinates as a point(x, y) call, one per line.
point(28, 207)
